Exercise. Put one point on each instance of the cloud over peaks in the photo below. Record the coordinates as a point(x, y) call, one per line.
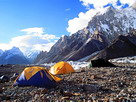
point(83, 19)
point(102, 3)
point(35, 30)
point(33, 39)
point(4, 46)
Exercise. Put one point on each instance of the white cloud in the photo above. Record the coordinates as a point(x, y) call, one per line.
point(35, 30)
point(68, 9)
point(5, 46)
point(101, 3)
point(134, 5)
point(129, 2)
point(34, 39)
point(83, 19)
point(43, 47)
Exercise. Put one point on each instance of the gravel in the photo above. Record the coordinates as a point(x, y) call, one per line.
point(104, 84)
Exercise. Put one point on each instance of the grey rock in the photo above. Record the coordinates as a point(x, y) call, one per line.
point(91, 88)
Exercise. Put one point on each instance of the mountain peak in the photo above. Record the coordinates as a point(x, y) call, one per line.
point(113, 22)
point(104, 27)
point(13, 56)
point(15, 49)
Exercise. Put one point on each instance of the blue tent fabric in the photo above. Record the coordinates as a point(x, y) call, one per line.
point(44, 80)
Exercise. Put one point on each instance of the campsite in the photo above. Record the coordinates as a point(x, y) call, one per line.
point(95, 84)
point(67, 50)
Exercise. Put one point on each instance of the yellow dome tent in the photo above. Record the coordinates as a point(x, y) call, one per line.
point(61, 68)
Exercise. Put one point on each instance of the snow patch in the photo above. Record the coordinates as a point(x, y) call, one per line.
point(105, 27)
point(125, 60)
point(78, 65)
point(31, 55)
point(75, 64)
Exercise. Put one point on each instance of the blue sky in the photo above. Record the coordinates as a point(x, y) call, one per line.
point(52, 15)
point(38, 24)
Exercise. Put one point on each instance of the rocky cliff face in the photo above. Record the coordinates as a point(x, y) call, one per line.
point(75, 47)
point(123, 46)
point(40, 57)
point(101, 31)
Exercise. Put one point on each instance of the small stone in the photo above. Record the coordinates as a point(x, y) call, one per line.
point(94, 97)
point(36, 96)
point(5, 97)
point(91, 88)
point(123, 91)
point(1, 90)
point(82, 70)
point(64, 98)
point(44, 91)
point(93, 76)
point(133, 100)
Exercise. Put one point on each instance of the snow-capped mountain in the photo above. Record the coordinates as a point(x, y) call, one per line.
point(31, 55)
point(1, 52)
point(104, 27)
point(113, 22)
point(13, 56)
point(14, 51)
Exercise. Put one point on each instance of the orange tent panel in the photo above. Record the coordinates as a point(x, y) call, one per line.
point(61, 68)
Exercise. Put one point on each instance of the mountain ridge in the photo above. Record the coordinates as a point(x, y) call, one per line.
point(123, 46)
point(13, 56)
point(104, 27)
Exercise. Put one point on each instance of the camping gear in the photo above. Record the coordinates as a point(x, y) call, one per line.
point(3, 79)
point(15, 75)
point(36, 76)
point(61, 68)
point(101, 63)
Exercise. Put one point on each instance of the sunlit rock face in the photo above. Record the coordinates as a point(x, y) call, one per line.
point(102, 30)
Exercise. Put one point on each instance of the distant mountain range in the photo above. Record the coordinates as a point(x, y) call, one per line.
point(16, 56)
point(111, 33)
point(102, 30)
point(13, 56)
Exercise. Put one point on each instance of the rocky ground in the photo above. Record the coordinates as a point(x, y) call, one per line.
point(105, 84)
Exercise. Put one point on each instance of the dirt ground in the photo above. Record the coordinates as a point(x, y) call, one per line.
point(103, 84)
